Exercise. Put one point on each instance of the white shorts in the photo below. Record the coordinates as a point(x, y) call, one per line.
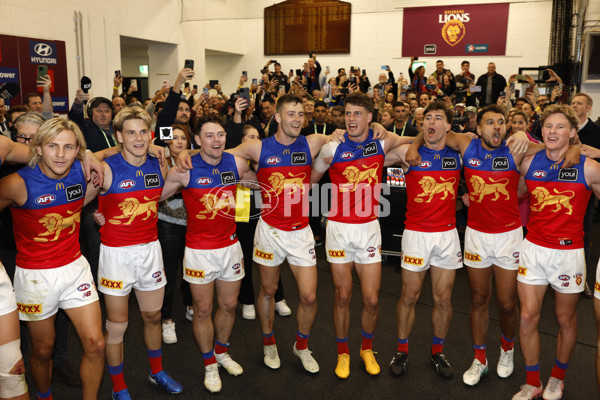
point(272, 246)
point(420, 250)
point(40, 292)
point(597, 285)
point(204, 266)
point(139, 267)
point(8, 301)
point(360, 243)
point(483, 250)
point(564, 270)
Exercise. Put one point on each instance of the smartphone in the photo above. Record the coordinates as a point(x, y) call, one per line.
point(364, 72)
point(430, 87)
point(187, 84)
point(381, 92)
point(212, 83)
point(255, 81)
point(189, 64)
point(292, 71)
point(370, 90)
point(245, 94)
point(521, 77)
point(205, 91)
point(405, 87)
point(385, 67)
point(502, 94)
point(166, 133)
point(512, 86)
point(273, 61)
point(134, 83)
point(416, 58)
point(117, 73)
point(475, 89)
point(195, 87)
point(311, 54)
point(298, 72)
point(282, 88)
point(42, 70)
point(245, 73)
point(545, 75)
point(352, 79)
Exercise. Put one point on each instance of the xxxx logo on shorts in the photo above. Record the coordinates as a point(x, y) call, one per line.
point(263, 255)
point(30, 308)
point(337, 253)
point(107, 283)
point(413, 261)
point(472, 257)
point(193, 273)
point(523, 271)
point(597, 287)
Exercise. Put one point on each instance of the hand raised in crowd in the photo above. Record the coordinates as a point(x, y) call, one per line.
point(186, 90)
point(194, 91)
point(117, 81)
point(273, 84)
point(184, 75)
point(218, 87)
point(243, 79)
point(240, 105)
point(45, 82)
point(253, 88)
point(81, 97)
point(553, 76)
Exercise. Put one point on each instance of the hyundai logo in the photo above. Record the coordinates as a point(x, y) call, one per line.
point(43, 49)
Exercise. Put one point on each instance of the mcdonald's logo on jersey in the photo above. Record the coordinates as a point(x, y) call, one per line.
point(286, 151)
point(488, 156)
point(60, 186)
point(436, 157)
point(554, 166)
point(216, 171)
point(139, 173)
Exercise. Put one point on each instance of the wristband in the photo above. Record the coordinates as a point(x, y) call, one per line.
point(115, 87)
point(537, 108)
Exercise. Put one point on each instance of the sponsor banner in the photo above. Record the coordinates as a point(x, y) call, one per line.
point(455, 30)
point(60, 104)
point(9, 75)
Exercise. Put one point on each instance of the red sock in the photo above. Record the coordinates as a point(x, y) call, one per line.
point(220, 348)
point(269, 339)
point(367, 341)
point(507, 345)
point(480, 353)
point(342, 345)
point(209, 358)
point(117, 378)
point(301, 340)
point(533, 378)
point(403, 345)
point(155, 358)
point(559, 370)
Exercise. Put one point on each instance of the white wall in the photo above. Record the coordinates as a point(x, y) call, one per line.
point(591, 22)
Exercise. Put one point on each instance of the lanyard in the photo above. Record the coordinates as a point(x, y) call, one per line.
point(105, 138)
point(403, 128)
point(324, 128)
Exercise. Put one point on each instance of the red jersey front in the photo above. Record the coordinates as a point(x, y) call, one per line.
point(47, 226)
point(431, 191)
point(130, 205)
point(284, 177)
point(209, 200)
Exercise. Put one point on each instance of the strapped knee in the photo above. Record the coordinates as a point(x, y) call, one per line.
point(12, 383)
point(115, 332)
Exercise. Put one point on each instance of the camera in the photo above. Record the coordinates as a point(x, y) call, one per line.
point(166, 133)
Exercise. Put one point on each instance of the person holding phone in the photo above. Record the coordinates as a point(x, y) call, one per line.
point(311, 72)
point(417, 77)
point(491, 85)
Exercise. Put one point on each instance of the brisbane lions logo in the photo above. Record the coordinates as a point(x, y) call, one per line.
point(481, 188)
point(544, 198)
point(214, 204)
point(453, 31)
point(131, 208)
point(431, 188)
point(279, 182)
point(55, 223)
point(356, 176)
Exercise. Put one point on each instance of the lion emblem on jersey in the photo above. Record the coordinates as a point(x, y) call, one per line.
point(482, 188)
point(431, 187)
point(544, 198)
point(56, 223)
point(131, 208)
point(279, 182)
point(214, 204)
point(356, 176)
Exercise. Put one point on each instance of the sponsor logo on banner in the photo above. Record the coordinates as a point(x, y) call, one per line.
point(9, 75)
point(476, 48)
point(454, 30)
point(60, 104)
point(42, 53)
point(430, 49)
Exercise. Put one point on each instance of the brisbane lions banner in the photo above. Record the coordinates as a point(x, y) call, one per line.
point(473, 30)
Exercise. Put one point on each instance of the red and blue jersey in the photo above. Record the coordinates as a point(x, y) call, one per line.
point(284, 176)
point(355, 172)
point(130, 205)
point(558, 202)
point(492, 179)
point(46, 227)
point(209, 200)
point(431, 191)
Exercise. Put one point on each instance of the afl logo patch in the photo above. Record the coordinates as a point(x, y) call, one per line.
point(539, 174)
point(156, 274)
point(346, 155)
point(425, 164)
point(273, 160)
point(83, 287)
point(204, 181)
point(128, 184)
point(473, 162)
point(45, 199)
